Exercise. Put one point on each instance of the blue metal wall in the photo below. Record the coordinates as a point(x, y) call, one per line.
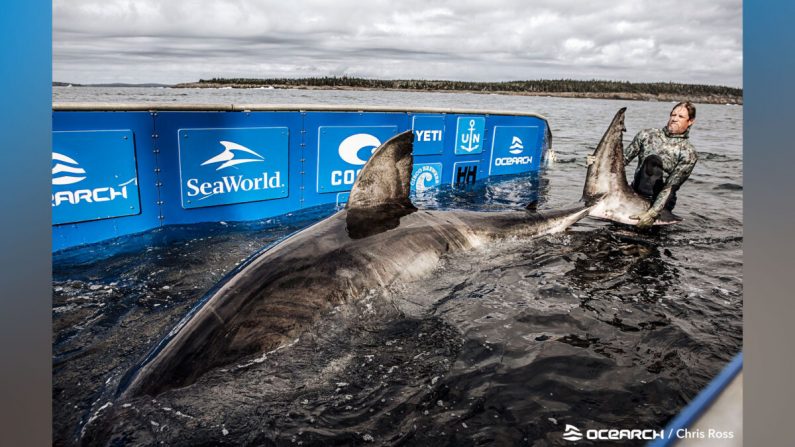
point(200, 166)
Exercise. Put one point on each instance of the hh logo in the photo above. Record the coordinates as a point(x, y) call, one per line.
point(252, 165)
point(343, 151)
point(465, 173)
point(93, 176)
point(426, 176)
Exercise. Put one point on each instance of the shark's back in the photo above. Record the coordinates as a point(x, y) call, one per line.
point(379, 238)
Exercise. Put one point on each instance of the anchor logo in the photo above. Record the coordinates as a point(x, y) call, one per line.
point(471, 139)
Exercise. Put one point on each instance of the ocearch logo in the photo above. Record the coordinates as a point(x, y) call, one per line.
point(572, 433)
point(229, 156)
point(516, 145)
point(516, 148)
point(69, 166)
point(66, 166)
point(349, 150)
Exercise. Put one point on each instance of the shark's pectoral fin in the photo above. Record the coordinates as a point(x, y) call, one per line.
point(385, 180)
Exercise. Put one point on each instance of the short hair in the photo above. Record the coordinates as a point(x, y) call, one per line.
point(691, 109)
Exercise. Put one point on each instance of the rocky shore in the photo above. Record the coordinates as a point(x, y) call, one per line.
point(633, 96)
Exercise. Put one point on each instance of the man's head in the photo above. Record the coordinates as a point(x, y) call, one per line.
point(683, 115)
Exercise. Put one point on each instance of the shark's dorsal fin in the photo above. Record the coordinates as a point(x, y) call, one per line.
point(385, 180)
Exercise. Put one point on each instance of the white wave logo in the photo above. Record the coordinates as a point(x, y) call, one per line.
point(572, 433)
point(516, 145)
point(350, 147)
point(62, 165)
point(426, 177)
point(424, 181)
point(229, 156)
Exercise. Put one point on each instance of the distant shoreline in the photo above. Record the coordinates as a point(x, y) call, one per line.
point(659, 92)
point(659, 97)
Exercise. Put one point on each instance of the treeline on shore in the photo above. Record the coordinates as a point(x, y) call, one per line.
point(537, 86)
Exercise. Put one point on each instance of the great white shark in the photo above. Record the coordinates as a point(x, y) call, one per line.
point(378, 239)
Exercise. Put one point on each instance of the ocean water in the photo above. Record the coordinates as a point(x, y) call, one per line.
point(598, 327)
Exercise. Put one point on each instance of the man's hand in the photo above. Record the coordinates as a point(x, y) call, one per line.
point(645, 220)
point(589, 160)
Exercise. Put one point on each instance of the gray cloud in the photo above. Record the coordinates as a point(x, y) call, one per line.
point(699, 41)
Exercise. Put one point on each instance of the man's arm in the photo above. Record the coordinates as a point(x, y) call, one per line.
point(632, 151)
point(678, 176)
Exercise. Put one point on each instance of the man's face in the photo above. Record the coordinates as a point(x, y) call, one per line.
point(679, 121)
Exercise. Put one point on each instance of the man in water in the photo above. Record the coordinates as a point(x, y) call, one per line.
point(660, 152)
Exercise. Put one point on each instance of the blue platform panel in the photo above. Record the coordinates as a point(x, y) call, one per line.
point(209, 166)
point(138, 128)
point(233, 165)
point(466, 173)
point(470, 135)
point(93, 175)
point(428, 134)
point(343, 151)
point(192, 156)
point(514, 150)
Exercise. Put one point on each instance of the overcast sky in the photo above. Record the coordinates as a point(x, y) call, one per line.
point(170, 41)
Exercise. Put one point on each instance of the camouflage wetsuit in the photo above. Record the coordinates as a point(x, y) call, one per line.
point(655, 149)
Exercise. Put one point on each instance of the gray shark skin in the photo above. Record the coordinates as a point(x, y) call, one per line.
point(380, 238)
point(606, 182)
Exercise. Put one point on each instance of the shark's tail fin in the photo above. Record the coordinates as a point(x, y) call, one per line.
point(606, 186)
point(606, 173)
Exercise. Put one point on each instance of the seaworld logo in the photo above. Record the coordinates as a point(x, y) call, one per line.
point(228, 158)
point(229, 184)
point(233, 154)
point(75, 174)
